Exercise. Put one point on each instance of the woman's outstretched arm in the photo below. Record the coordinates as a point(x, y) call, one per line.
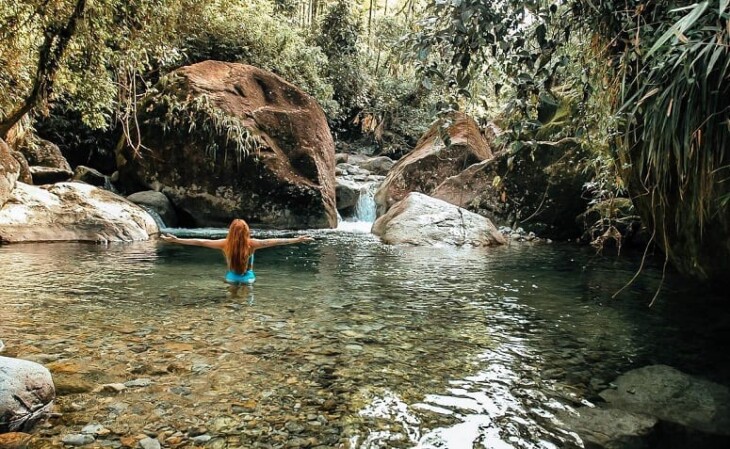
point(206, 243)
point(267, 243)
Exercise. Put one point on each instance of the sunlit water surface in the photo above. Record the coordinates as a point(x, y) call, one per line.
point(344, 342)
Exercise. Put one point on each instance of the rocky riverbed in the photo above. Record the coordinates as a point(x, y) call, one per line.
point(343, 343)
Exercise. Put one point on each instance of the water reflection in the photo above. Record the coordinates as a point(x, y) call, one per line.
point(343, 342)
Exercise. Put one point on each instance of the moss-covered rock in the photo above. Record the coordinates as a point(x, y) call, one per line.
point(226, 141)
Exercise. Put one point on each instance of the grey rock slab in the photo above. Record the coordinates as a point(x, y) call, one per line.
point(424, 221)
point(77, 439)
point(610, 428)
point(673, 396)
point(149, 443)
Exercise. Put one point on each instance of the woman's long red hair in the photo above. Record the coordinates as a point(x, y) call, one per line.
point(238, 246)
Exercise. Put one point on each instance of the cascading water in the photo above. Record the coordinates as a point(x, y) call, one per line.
point(156, 216)
point(365, 207)
point(364, 211)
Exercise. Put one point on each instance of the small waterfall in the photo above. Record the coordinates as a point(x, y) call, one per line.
point(153, 213)
point(365, 207)
point(364, 211)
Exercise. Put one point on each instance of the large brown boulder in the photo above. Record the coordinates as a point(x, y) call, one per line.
point(225, 140)
point(433, 160)
point(538, 188)
point(9, 170)
point(72, 211)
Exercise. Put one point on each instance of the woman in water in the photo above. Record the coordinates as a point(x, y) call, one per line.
point(238, 247)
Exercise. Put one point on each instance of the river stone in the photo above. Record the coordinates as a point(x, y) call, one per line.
point(158, 202)
point(77, 439)
point(610, 428)
point(545, 188)
point(26, 394)
point(379, 165)
point(673, 396)
point(432, 161)
point(149, 443)
point(72, 212)
point(421, 220)
point(49, 175)
point(92, 176)
point(347, 193)
point(15, 440)
point(9, 172)
point(47, 164)
point(285, 179)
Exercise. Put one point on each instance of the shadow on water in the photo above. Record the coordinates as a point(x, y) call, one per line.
point(346, 342)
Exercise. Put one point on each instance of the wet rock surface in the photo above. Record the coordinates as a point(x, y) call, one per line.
point(610, 428)
point(92, 176)
point(158, 202)
point(26, 394)
point(673, 396)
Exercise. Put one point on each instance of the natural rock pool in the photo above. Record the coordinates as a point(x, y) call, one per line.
point(344, 342)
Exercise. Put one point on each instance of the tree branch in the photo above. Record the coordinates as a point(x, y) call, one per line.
point(54, 46)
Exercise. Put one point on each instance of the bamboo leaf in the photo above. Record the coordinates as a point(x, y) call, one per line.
point(680, 27)
point(649, 94)
point(723, 6)
point(713, 59)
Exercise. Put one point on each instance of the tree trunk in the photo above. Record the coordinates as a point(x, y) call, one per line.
point(54, 46)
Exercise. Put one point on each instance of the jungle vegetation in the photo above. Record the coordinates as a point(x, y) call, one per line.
point(640, 85)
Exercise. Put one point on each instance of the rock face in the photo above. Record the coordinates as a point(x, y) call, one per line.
point(157, 202)
point(379, 165)
point(26, 394)
point(47, 164)
point(610, 428)
point(432, 161)
point(92, 176)
point(72, 212)
point(48, 175)
point(24, 175)
point(421, 220)
point(541, 191)
point(46, 154)
point(673, 396)
point(347, 193)
point(234, 141)
point(9, 170)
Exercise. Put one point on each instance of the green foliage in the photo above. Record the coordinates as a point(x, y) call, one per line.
point(120, 49)
point(677, 108)
point(167, 107)
point(338, 38)
point(251, 33)
point(651, 79)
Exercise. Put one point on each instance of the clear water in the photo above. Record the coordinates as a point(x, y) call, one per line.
point(344, 342)
point(365, 209)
